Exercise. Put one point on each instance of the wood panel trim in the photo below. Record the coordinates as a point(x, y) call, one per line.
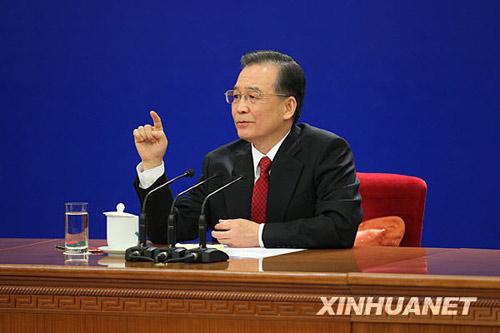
point(155, 293)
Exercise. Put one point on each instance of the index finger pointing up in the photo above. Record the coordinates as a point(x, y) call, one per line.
point(156, 120)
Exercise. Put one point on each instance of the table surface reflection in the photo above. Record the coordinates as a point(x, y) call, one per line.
point(387, 260)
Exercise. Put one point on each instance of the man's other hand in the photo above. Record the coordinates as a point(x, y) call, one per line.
point(151, 142)
point(237, 233)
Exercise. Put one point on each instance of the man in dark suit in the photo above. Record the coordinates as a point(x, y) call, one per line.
point(300, 190)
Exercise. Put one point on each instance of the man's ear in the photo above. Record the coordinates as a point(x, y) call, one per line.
point(290, 107)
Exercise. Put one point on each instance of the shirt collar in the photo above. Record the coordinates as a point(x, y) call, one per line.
point(257, 155)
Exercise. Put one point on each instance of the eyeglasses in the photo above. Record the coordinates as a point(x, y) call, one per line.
point(234, 96)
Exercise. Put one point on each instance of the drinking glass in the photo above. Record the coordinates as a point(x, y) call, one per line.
point(77, 228)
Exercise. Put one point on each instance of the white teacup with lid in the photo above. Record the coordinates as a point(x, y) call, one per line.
point(121, 228)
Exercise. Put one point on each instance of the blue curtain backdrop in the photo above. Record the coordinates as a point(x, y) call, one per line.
point(414, 86)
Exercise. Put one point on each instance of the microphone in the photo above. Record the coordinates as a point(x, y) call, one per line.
point(171, 251)
point(140, 252)
point(202, 253)
point(172, 218)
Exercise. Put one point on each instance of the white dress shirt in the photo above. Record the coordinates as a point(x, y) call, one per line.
point(149, 177)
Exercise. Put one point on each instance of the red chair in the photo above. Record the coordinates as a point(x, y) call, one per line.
point(386, 194)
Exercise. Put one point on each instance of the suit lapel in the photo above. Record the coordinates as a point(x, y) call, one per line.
point(239, 196)
point(285, 173)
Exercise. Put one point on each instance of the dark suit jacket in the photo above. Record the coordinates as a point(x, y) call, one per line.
point(313, 199)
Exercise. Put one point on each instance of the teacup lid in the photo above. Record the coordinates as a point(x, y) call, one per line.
point(119, 212)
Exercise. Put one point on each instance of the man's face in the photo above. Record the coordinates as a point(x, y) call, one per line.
point(266, 119)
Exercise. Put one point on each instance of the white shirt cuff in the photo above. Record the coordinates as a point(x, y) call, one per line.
point(148, 177)
point(261, 229)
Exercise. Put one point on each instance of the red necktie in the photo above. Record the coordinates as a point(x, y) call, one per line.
point(260, 188)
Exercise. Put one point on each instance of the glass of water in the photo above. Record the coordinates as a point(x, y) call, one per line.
point(77, 228)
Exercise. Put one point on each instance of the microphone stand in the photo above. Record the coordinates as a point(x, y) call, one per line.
point(171, 251)
point(141, 252)
point(202, 253)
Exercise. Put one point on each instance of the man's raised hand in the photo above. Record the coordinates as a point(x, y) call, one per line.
point(151, 142)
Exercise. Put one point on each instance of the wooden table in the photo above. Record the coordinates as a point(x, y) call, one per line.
point(40, 292)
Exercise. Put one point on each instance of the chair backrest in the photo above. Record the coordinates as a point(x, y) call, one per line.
point(385, 194)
